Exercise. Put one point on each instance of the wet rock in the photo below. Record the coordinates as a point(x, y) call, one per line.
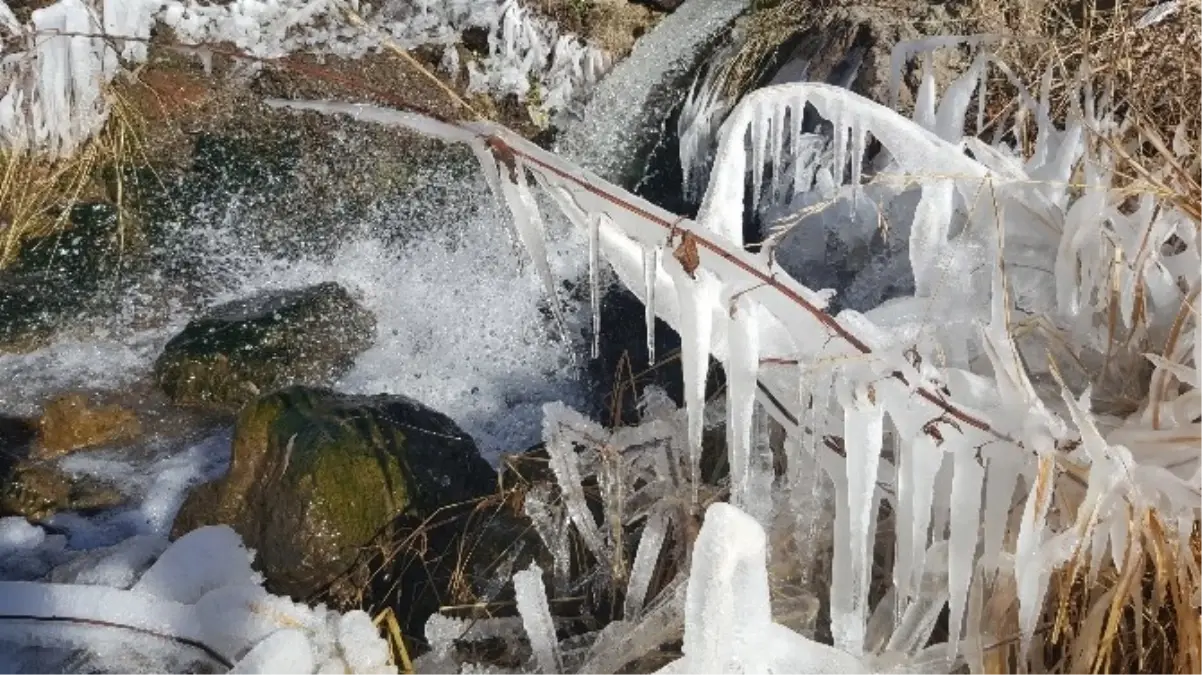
point(56, 277)
point(266, 342)
point(71, 422)
point(661, 5)
point(37, 490)
point(15, 433)
point(317, 476)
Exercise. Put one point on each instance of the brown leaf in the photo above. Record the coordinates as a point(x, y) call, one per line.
point(504, 154)
point(686, 253)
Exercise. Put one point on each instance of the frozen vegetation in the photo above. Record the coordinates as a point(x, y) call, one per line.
point(992, 452)
point(53, 81)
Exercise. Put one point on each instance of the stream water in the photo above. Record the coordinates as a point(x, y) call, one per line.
point(461, 318)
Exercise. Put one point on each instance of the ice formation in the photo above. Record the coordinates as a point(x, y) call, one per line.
point(198, 600)
point(728, 619)
point(941, 419)
point(52, 82)
point(931, 403)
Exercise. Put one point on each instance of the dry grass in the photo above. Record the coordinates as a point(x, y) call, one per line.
point(1157, 83)
point(1142, 614)
point(37, 195)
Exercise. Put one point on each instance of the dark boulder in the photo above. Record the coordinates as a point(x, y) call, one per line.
point(266, 342)
point(318, 477)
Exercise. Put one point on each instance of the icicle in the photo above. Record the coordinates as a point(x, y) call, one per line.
point(529, 223)
point(650, 271)
point(1029, 574)
point(859, 141)
point(949, 120)
point(941, 509)
point(652, 540)
point(982, 99)
point(847, 626)
point(863, 426)
point(565, 464)
point(776, 144)
point(904, 544)
point(532, 605)
point(839, 166)
point(999, 495)
point(924, 104)
point(928, 235)
point(697, 297)
point(795, 146)
point(594, 273)
point(760, 130)
point(742, 367)
point(925, 466)
point(962, 549)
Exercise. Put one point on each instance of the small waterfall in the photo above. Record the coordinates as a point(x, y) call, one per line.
point(628, 109)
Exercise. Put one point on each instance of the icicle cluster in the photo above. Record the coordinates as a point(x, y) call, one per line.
point(936, 410)
point(55, 67)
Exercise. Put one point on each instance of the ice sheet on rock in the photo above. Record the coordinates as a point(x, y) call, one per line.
point(202, 560)
point(285, 651)
point(536, 617)
point(626, 108)
point(117, 566)
point(98, 604)
point(18, 534)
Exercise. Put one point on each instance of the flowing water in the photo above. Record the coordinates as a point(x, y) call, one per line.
point(462, 322)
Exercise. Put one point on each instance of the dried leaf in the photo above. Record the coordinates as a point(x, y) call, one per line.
point(504, 154)
point(686, 253)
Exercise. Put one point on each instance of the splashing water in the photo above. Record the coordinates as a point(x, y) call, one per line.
point(460, 324)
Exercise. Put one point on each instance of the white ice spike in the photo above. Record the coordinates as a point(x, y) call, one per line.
point(529, 224)
point(531, 598)
point(594, 274)
point(962, 549)
point(742, 367)
point(698, 296)
point(650, 272)
point(863, 425)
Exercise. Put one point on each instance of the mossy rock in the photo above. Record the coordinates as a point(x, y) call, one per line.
point(316, 476)
point(269, 341)
point(72, 422)
point(37, 490)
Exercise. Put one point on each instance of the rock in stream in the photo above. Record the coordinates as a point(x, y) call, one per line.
point(268, 341)
point(317, 475)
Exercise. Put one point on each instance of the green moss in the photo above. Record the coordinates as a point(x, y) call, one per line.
point(317, 475)
point(354, 494)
